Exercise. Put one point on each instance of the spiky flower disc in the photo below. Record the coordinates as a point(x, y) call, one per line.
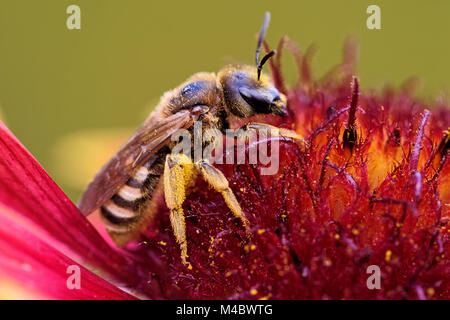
point(371, 188)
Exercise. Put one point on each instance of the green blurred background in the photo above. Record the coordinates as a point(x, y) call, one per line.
point(55, 82)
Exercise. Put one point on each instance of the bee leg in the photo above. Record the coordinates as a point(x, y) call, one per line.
point(274, 131)
point(218, 182)
point(178, 171)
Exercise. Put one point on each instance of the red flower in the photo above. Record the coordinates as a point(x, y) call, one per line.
point(372, 188)
point(42, 233)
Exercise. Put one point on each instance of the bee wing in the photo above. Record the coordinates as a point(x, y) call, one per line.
point(148, 139)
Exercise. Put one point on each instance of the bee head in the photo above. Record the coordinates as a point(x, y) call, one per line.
point(247, 92)
point(246, 95)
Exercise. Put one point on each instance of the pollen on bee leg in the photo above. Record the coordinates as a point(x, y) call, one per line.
point(177, 173)
point(179, 229)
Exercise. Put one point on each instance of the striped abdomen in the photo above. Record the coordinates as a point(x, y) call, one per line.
point(123, 211)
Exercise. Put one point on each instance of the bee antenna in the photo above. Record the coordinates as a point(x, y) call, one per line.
point(264, 60)
point(260, 39)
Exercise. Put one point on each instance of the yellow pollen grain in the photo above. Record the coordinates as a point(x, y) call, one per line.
point(163, 243)
point(388, 255)
point(261, 231)
point(430, 291)
point(252, 247)
point(327, 263)
point(336, 236)
point(355, 232)
point(189, 266)
point(241, 189)
point(253, 292)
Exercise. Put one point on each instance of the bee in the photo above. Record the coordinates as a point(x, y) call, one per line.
point(126, 186)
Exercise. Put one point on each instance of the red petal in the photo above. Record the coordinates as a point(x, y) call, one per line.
point(41, 269)
point(30, 196)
